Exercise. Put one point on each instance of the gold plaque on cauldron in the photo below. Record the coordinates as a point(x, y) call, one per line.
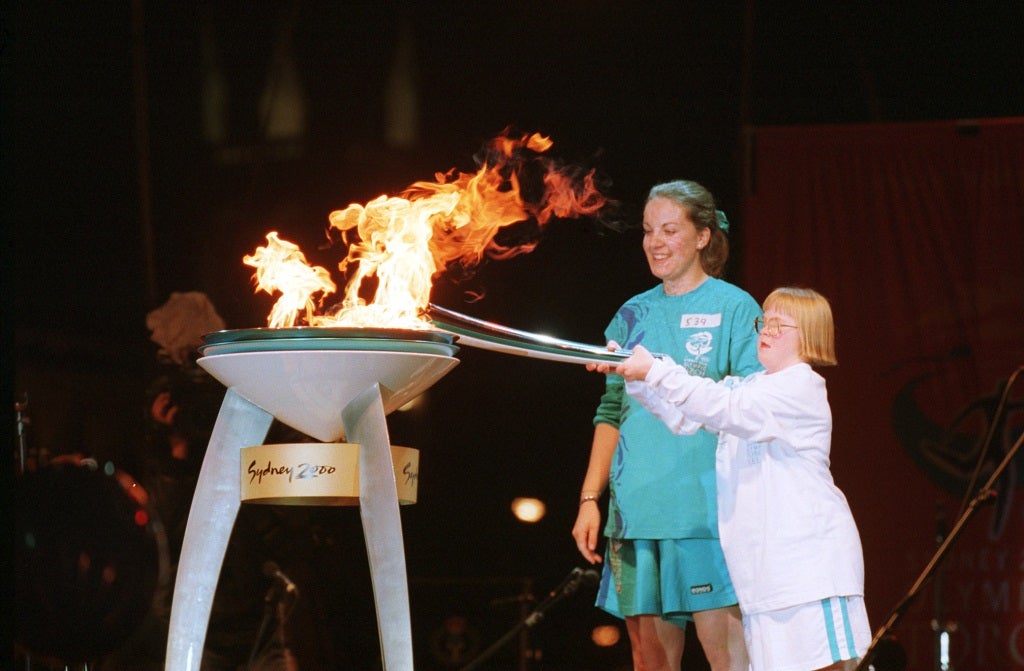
point(318, 474)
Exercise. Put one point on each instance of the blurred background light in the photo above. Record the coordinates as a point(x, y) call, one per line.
point(527, 509)
point(605, 635)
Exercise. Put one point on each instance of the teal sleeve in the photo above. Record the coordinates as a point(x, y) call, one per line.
point(609, 410)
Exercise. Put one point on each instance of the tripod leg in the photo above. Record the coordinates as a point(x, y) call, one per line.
point(365, 424)
point(214, 508)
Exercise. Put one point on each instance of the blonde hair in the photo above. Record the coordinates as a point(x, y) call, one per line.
point(813, 315)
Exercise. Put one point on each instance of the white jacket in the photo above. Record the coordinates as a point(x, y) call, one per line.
point(787, 531)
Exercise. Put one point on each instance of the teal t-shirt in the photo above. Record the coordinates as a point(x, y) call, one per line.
point(662, 485)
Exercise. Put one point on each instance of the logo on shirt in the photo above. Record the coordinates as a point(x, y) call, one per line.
point(699, 344)
point(701, 589)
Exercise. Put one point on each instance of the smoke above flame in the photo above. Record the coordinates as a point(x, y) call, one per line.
point(398, 245)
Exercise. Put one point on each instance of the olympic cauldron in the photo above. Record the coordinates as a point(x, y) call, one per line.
point(326, 383)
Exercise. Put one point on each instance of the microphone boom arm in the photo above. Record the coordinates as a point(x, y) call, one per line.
point(568, 586)
point(986, 494)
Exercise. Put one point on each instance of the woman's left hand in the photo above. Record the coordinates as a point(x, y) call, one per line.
point(605, 367)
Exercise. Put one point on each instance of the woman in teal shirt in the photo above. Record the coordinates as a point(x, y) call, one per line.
point(664, 565)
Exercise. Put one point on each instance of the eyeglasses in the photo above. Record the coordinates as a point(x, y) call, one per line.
point(771, 327)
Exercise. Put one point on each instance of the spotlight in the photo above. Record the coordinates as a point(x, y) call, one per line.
point(605, 635)
point(528, 509)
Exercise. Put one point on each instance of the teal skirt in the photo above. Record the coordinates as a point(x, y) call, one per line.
point(670, 578)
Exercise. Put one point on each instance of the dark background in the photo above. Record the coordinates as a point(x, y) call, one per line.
point(112, 198)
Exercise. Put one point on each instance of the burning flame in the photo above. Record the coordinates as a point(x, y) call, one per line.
point(282, 266)
point(405, 241)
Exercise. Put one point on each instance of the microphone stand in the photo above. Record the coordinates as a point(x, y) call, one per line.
point(23, 420)
point(987, 494)
point(568, 587)
point(940, 627)
point(289, 663)
point(274, 596)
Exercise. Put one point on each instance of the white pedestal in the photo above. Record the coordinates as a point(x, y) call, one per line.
point(215, 505)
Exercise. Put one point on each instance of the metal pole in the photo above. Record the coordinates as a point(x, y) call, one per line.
point(143, 162)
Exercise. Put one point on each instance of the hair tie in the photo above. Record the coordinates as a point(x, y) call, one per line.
point(723, 221)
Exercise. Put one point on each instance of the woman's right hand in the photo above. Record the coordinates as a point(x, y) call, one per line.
point(587, 531)
point(605, 368)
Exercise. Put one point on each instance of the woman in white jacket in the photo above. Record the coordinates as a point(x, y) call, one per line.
point(790, 541)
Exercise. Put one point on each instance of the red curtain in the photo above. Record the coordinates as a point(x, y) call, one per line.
point(915, 232)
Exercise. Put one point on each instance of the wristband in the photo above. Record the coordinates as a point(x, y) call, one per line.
point(589, 497)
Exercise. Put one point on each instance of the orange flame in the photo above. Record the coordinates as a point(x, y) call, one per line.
point(280, 266)
point(405, 241)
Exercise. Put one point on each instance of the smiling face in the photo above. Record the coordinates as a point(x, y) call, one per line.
point(778, 343)
point(672, 244)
